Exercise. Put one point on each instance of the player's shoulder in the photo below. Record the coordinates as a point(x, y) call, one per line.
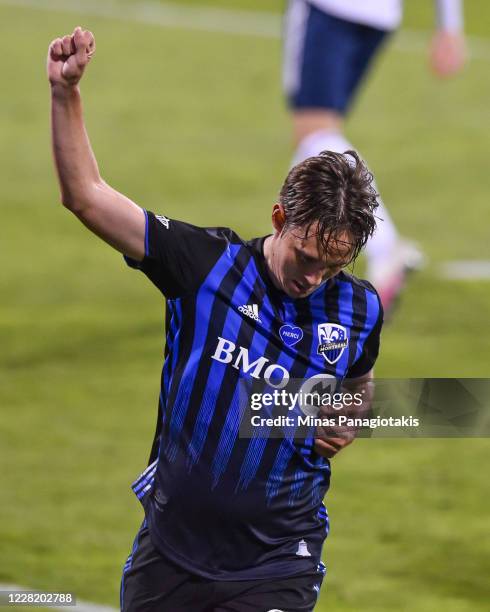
point(192, 232)
point(357, 282)
point(223, 233)
point(365, 291)
point(220, 239)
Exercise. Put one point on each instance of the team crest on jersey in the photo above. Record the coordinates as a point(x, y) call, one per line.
point(332, 341)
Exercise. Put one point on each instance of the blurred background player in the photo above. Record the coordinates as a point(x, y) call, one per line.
point(328, 47)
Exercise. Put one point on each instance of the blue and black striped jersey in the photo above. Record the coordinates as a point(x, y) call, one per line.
point(222, 505)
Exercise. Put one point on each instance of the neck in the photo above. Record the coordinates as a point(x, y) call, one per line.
point(269, 256)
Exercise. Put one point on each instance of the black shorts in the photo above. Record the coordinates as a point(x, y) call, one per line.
point(152, 583)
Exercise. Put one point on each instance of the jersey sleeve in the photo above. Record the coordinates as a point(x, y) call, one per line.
point(178, 255)
point(370, 348)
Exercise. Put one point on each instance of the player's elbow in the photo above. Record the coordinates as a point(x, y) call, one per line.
point(71, 202)
point(78, 200)
point(78, 206)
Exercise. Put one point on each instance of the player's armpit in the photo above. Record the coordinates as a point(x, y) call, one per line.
point(179, 255)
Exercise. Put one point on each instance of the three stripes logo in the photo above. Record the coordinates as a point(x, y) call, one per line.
point(165, 221)
point(251, 311)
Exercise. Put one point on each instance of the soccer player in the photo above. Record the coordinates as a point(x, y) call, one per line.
point(232, 523)
point(328, 48)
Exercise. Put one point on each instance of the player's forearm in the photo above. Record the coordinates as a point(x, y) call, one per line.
point(332, 439)
point(363, 387)
point(76, 166)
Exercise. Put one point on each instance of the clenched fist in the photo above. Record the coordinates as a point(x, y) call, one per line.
point(68, 57)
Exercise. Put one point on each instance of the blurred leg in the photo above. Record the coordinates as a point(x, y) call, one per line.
point(325, 60)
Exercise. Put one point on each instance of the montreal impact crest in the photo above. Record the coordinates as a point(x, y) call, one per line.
point(332, 341)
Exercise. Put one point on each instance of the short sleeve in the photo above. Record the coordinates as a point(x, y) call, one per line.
point(178, 255)
point(370, 348)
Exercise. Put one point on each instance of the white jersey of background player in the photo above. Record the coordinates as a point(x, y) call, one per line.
point(328, 48)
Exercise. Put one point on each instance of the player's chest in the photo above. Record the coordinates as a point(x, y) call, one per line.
point(261, 336)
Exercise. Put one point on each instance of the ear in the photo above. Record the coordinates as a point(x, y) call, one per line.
point(278, 217)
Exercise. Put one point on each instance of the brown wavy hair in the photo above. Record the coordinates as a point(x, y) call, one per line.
point(334, 190)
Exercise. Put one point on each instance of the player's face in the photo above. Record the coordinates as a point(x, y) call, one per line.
point(301, 265)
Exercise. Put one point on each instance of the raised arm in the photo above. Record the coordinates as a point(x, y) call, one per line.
point(105, 211)
point(448, 49)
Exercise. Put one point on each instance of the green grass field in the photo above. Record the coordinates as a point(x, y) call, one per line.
point(192, 124)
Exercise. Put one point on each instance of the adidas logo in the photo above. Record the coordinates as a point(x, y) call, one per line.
point(250, 310)
point(163, 220)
